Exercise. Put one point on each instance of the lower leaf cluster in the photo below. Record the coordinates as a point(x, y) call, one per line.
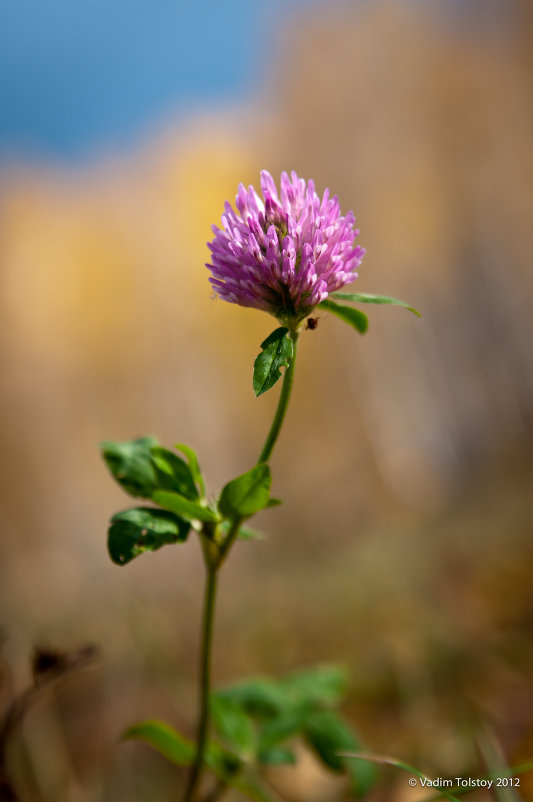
point(259, 721)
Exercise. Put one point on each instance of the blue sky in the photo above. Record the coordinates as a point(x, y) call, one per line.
point(82, 76)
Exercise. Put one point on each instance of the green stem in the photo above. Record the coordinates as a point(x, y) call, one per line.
point(205, 683)
point(228, 542)
point(283, 403)
point(212, 567)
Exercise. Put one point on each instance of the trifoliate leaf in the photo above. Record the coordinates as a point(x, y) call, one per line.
point(277, 353)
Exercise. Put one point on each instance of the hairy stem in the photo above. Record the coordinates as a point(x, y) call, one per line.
point(283, 403)
point(205, 683)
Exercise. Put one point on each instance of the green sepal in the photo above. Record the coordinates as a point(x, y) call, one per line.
point(247, 494)
point(173, 473)
point(358, 320)
point(182, 506)
point(368, 298)
point(328, 735)
point(277, 353)
point(130, 463)
point(134, 531)
point(193, 465)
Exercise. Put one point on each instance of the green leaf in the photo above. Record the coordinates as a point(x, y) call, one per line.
point(274, 502)
point(325, 685)
point(166, 740)
point(278, 756)
point(367, 298)
point(180, 505)
point(328, 735)
point(276, 354)
point(279, 729)
point(180, 751)
point(247, 494)
point(259, 697)
point(173, 473)
point(233, 725)
point(130, 463)
point(193, 465)
point(132, 532)
point(351, 316)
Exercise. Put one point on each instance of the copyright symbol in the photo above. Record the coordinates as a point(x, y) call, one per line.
point(412, 782)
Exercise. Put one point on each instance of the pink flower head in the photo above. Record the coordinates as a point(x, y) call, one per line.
point(286, 253)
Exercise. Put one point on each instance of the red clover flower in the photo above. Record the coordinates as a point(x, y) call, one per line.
point(284, 254)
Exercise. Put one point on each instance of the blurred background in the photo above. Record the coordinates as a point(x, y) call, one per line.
point(404, 548)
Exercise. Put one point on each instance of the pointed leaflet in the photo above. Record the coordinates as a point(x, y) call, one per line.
point(193, 465)
point(351, 316)
point(247, 494)
point(141, 529)
point(367, 298)
point(142, 466)
point(131, 465)
point(277, 353)
point(191, 510)
point(173, 473)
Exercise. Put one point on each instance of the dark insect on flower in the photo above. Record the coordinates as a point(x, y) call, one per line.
point(311, 323)
point(284, 254)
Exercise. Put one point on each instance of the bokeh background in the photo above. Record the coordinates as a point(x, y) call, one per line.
point(404, 549)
